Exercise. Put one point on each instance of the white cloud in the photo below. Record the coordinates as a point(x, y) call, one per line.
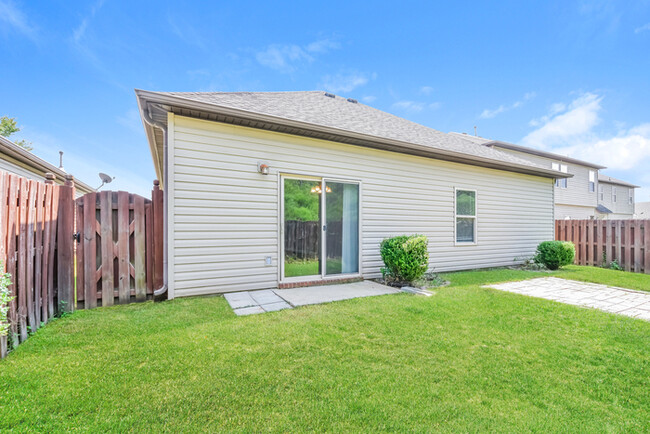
point(322, 46)
point(643, 28)
point(80, 31)
point(131, 120)
point(343, 83)
point(570, 129)
point(563, 125)
point(14, 18)
point(490, 113)
point(426, 90)
point(412, 106)
point(287, 57)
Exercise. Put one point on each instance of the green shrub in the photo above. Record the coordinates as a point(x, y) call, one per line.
point(406, 257)
point(5, 299)
point(555, 254)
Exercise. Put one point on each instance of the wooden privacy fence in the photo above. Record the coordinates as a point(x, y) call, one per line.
point(28, 233)
point(302, 239)
point(119, 256)
point(599, 242)
point(118, 250)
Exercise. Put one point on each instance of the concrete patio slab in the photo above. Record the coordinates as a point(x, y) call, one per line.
point(248, 310)
point(270, 300)
point(240, 299)
point(328, 293)
point(629, 302)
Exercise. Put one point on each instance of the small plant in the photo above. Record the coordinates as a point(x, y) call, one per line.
point(406, 258)
point(5, 299)
point(614, 265)
point(555, 254)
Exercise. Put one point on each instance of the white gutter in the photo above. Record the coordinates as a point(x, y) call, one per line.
point(146, 116)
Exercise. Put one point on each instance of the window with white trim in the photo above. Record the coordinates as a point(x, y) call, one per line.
point(601, 193)
point(592, 181)
point(560, 182)
point(630, 197)
point(465, 216)
point(613, 194)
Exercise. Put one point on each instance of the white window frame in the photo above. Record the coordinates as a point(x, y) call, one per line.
point(457, 216)
point(630, 196)
point(614, 194)
point(601, 192)
point(592, 181)
point(560, 182)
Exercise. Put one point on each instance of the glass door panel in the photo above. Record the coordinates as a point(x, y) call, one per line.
point(302, 227)
point(342, 228)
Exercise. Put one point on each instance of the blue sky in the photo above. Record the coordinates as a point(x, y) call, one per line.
point(569, 77)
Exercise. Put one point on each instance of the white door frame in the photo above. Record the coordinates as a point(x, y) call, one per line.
point(323, 257)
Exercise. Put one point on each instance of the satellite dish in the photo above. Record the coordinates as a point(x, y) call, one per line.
point(106, 179)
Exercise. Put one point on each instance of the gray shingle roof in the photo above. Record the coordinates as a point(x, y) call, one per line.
point(610, 180)
point(603, 209)
point(314, 107)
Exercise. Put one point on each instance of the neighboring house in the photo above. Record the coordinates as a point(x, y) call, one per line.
point(14, 159)
point(587, 195)
point(615, 198)
point(642, 210)
point(278, 189)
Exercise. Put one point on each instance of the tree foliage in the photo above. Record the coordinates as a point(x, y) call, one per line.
point(8, 126)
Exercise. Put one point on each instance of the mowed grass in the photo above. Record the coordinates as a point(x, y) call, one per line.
point(465, 359)
point(605, 276)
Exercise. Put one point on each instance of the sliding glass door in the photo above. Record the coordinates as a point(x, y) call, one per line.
point(320, 227)
point(342, 228)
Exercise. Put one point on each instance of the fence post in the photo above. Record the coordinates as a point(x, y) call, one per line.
point(65, 246)
point(157, 218)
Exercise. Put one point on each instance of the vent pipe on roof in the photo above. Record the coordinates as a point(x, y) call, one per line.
point(61, 161)
point(330, 95)
point(475, 131)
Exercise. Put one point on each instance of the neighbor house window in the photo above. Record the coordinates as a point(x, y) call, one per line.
point(614, 194)
point(630, 197)
point(601, 193)
point(560, 182)
point(465, 216)
point(592, 181)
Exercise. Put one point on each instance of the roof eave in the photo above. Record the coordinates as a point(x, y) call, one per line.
point(145, 97)
point(31, 160)
point(526, 150)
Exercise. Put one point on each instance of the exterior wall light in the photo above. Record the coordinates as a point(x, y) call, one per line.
point(263, 168)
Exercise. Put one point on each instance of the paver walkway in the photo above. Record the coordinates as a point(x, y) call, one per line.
point(251, 302)
point(608, 298)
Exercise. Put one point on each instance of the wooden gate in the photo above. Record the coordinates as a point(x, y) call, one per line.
point(119, 247)
point(109, 245)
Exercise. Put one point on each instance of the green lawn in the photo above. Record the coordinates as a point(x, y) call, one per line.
point(465, 359)
point(605, 276)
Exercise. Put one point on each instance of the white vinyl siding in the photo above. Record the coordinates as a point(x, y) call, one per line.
point(577, 191)
point(563, 212)
point(592, 181)
point(621, 208)
point(601, 193)
point(225, 215)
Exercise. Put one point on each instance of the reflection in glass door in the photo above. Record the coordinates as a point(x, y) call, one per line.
point(302, 227)
point(342, 228)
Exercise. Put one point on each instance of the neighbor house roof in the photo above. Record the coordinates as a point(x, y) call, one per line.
point(19, 156)
point(610, 180)
point(603, 209)
point(326, 116)
point(526, 150)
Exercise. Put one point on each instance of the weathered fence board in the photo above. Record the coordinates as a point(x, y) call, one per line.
point(600, 242)
point(118, 252)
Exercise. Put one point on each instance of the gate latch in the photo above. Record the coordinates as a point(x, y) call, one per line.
point(77, 237)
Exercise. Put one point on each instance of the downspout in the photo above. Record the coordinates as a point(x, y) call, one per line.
point(154, 124)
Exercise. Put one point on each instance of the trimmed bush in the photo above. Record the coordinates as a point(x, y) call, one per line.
point(406, 257)
point(555, 254)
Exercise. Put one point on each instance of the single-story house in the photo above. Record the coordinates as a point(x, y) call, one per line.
point(278, 189)
point(14, 159)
